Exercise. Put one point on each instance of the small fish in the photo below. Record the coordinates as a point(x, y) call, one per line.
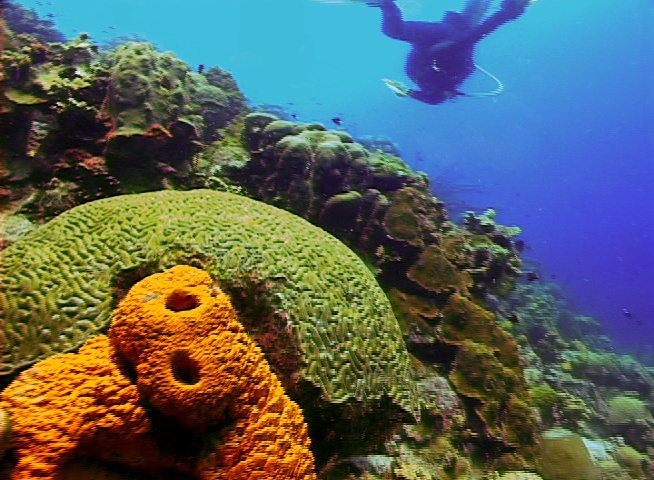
point(294, 116)
point(337, 120)
point(531, 276)
point(519, 245)
point(200, 68)
point(627, 313)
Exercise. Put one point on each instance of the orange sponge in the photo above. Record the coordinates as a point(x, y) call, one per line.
point(178, 387)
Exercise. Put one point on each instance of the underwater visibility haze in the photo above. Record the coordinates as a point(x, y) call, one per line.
point(565, 152)
point(472, 295)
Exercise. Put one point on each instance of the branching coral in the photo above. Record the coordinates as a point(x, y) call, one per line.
point(192, 362)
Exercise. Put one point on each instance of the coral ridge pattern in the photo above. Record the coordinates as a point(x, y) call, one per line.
point(60, 283)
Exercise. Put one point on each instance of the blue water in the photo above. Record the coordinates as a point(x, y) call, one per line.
point(566, 152)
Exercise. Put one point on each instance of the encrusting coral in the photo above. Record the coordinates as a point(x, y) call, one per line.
point(176, 361)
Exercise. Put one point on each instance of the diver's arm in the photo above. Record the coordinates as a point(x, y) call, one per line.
point(394, 26)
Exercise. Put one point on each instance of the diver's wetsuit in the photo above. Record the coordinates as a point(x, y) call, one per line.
point(442, 54)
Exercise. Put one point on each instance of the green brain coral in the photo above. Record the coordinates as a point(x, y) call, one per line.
point(59, 283)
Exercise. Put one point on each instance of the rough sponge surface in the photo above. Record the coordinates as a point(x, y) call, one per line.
point(58, 283)
point(193, 365)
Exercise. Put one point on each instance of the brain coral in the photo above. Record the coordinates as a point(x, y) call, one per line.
point(192, 362)
point(60, 284)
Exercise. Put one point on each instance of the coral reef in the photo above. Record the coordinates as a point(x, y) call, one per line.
point(147, 89)
point(193, 363)
point(489, 255)
point(310, 163)
point(62, 280)
point(155, 124)
point(220, 101)
point(631, 460)
point(138, 113)
point(382, 208)
point(379, 143)
point(624, 409)
point(372, 201)
point(578, 383)
point(12, 227)
point(23, 20)
point(78, 178)
point(487, 368)
point(564, 456)
point(518, 476)
point(541, 312)
point(48, 88)
point(479, 357)
point(608, 369)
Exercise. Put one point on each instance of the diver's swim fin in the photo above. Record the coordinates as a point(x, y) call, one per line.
point(339, 2)
point(398, 88)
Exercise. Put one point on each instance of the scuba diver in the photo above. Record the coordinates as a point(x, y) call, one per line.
point(441, 57)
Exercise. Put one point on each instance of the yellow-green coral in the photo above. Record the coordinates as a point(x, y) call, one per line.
point(60, 280)
point(414, 216)
point(434, 272)
point(497, 390)
point(465, 320)
point(625, 409)
point(563, 456)
point(631, 460)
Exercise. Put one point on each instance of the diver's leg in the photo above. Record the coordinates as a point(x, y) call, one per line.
point(474, 10)
point(509, 10)
point(392, 22)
